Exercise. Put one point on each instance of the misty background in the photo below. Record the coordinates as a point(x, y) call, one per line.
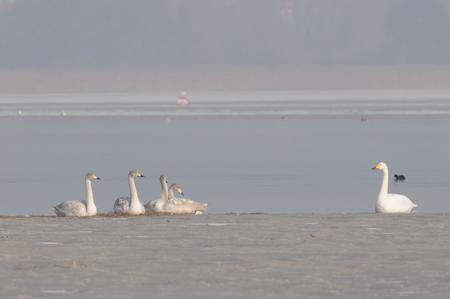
point(284, 44)
point(91, 85)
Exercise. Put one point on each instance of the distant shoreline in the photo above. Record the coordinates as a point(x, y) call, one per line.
point(257, 104)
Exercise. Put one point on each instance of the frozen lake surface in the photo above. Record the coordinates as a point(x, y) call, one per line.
point(227, 256)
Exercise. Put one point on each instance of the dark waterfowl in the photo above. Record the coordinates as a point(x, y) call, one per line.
point(399, 178)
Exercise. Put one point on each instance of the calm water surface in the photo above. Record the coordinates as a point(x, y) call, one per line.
point(241, 165)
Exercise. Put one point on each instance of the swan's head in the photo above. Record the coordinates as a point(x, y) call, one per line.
point(92, 176)
point(135, 173)
point(176, 188)
point(380, 166)
point(163, 179)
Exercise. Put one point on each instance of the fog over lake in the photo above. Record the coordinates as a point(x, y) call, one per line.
point(198, 33)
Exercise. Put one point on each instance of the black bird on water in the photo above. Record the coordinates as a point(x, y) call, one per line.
point(399, 178)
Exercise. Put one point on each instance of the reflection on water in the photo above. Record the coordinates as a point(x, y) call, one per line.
point(266, 165)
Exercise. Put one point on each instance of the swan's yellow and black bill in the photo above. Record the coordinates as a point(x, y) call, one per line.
point(377, 167)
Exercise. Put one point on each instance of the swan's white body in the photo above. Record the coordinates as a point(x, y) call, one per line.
point(186, 204)
point(168, 203)
point(79, 208)
point(130, 205)
point(388, 202)
point(159, 205)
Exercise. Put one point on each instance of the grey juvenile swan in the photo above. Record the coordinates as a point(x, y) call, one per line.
point(130, 205)
point(80, 208)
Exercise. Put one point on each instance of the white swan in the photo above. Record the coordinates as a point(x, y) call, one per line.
point(80, 208)
point(151, 205)
point(388, 202)
point(159, 205)
point(167, 203)
point(199, 208)
point(131, 206)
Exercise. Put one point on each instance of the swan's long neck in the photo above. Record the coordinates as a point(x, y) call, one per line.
point(164, 191)
point(133, 191)
point(384, 184)
point(171, 194)
point(90, 206)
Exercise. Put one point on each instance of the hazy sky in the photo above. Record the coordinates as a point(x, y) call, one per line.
point(203, 33)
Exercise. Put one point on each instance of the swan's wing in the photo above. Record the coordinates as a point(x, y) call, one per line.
point(70, 208)
point(180, 201)
point(400, 203)
point(400, 199)
point(183, 201)
point(186, 206)
point(122, 204)
point(188, 201)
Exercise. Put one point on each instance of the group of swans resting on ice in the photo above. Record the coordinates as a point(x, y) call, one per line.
point(167, 203)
